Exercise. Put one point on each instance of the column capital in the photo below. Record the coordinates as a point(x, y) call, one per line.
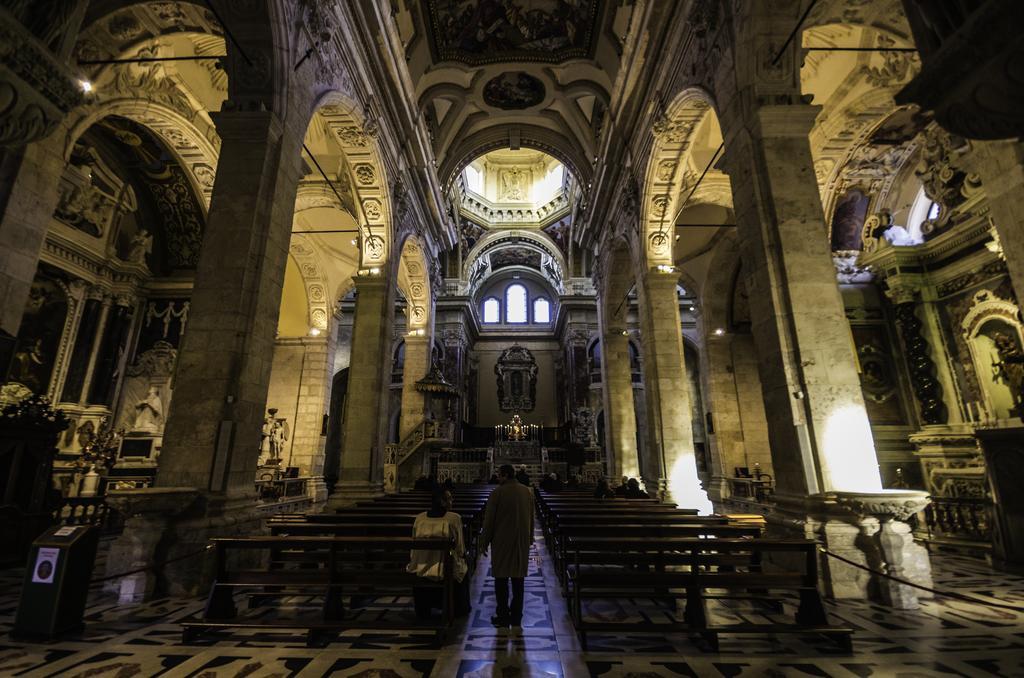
point(899, 290)
point(414, 337)
point(660, 279)
point(253, 126)
point(365, 280)
point(788, 120)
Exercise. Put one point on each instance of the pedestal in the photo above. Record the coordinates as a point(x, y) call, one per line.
point(1004, 464)
point(869, 530)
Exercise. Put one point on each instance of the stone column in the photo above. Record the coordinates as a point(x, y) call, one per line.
point(619, 413)
point(314, 391)
point(818, 425)
point(1000, 164)
point(737, 411)
point(456, 371)
point(362, 439)
point(669, 416)
point(106, 301)
point(417, 364)
point(28, 203)
point(930, 377)
point(823, 454)
point(211, 440)
point(69, 339)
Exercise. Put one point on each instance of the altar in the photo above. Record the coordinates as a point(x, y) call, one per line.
point(517, 452)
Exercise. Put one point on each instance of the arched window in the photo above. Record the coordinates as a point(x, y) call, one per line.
point(492, 310)
point(515, 304)
point(541, 310)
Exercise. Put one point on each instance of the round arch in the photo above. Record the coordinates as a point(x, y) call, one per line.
point(365, 173)
point(188, 145)
point(537, 241)
point(672, 173)
point(530, 136)
point(414, 282)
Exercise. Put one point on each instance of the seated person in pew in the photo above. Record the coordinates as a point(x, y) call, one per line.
point(603, 491)
point(620, 491)
point(633, 490)
point(551, 483)
point(439, 521)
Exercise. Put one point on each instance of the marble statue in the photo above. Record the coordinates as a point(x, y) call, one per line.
point(142, 246)
point(278, 437)
point(149, 413)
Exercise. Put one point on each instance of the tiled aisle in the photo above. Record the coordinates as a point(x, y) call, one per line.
point(943, 638)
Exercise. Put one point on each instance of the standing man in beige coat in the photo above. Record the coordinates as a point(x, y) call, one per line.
point(508, 528)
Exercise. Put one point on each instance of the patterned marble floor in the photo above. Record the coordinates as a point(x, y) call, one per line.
point(943, 638)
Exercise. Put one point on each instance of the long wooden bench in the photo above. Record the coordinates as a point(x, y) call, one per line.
point(707, 528)
point(658, 566)
point(343, 565)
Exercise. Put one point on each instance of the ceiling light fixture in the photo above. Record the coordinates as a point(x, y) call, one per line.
point(85, 85)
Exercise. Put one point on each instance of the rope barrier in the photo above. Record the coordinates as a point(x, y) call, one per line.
point(947, 594)
point(154, 566)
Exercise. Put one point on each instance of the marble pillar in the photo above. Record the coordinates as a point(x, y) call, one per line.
point(823, 453)
point(817, 422)
point(417, 364)
point(211, 440)
point(28, 205)
point(363, 435)
point(669, 415)
point(619, 413)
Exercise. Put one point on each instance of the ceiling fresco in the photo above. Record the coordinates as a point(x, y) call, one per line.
point(490, 31)
point(514, 91)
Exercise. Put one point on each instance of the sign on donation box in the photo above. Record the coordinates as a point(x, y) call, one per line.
point(56, 583)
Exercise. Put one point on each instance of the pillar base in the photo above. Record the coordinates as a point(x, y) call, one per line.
point(148, 513)
point(348, 492)
point(168, 531)
point(866, 528)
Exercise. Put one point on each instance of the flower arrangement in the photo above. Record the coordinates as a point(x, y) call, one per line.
point(101, 450)
point(34, 412)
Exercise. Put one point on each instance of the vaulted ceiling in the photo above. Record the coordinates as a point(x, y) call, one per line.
point(520, 73)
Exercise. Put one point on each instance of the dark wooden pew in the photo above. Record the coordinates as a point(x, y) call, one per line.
point(344, 565)
point(692, 567)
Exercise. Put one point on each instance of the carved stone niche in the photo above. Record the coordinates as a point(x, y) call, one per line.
point(516, 370)
point(145, 399)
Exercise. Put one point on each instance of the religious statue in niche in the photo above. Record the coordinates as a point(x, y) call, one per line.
point(149, 412)
point(273, 437)
point(141, 247)
point(516, 370)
